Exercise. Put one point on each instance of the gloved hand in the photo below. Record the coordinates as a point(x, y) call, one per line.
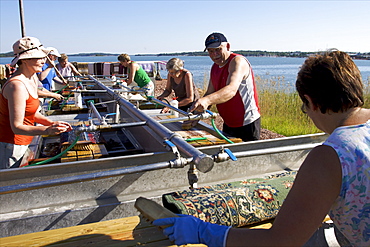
point(188, 229)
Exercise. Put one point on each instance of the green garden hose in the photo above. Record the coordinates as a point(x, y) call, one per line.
point(51, 101)
point(196, 139)
point(56, 156)
point(218, 132)
point(65, 101)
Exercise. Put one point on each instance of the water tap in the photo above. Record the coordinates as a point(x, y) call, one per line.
point(223, 155)
point(104, 122)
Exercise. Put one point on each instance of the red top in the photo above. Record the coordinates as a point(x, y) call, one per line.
point(242, 109)
point(7, 134)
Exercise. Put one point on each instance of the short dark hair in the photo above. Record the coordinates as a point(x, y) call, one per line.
point(332, 80)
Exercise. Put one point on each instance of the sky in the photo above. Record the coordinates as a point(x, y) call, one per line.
point(151, 27)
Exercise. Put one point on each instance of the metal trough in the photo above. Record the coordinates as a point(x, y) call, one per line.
point(59, 195)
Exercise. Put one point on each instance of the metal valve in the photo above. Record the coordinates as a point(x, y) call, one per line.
point(172, 147)
point(224, 155)
point(104, 122)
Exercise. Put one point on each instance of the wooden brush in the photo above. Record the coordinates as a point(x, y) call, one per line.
point(152, 210)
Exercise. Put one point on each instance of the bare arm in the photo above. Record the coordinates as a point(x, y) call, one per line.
point(189, 90)
point(315, 189)
point(74, 70)
point(133, 67)
point(59, 80)
point(45, 72)
point(238, 69)
point(17, 94)
point(168, 89)
point(44, 93)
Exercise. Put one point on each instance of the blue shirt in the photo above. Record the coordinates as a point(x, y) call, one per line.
point(47, 82)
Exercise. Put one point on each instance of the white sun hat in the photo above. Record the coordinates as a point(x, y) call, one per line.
point(53, 51)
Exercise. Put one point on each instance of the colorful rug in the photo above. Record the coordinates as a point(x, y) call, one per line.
point(234, 204)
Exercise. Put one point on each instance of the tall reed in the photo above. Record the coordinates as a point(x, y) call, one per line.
point(280, 108)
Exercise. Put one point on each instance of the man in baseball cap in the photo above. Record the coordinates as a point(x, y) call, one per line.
point(214, 40)
point(232, 89)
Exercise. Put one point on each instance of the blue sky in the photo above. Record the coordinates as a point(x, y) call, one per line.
point(137, 27)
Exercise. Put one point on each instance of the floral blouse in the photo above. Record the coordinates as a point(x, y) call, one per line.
point(351, 210)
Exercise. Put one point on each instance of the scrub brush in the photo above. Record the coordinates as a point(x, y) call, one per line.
point(152, 210)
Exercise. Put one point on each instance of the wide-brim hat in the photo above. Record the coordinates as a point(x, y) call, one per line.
point(214, 40)
point(26, 48)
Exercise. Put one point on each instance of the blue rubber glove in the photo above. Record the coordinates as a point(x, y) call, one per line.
point(188, 229)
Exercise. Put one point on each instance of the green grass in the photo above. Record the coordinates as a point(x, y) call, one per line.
point(281, 109)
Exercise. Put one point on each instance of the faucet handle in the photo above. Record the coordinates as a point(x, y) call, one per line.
point(231, 155)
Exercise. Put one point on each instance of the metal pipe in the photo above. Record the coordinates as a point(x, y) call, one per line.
point(21, 13)
point(143, 168)
point(95, 111)
point(203, 162)
point(118, 113)
point(88, 91)
point(105, 102)
point(93, 128)
point(169, 106)
point(189, 117)
point(276, 150)
point(81, 178)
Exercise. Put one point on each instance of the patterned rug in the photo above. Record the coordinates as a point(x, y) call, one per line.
point(234, 204)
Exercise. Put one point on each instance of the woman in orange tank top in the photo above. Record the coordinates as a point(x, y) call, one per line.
point(19, 105)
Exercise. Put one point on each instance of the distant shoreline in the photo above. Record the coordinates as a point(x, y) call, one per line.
point(354, 55)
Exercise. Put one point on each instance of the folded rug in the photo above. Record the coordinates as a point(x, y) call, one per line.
point(233, 204)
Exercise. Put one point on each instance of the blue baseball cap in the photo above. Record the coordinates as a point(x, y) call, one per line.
point(214, 40)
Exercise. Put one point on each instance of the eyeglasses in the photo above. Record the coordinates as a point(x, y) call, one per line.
point(303, 108)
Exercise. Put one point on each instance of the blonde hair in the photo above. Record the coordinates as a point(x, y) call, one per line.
point(124, 57)
point(175, 64)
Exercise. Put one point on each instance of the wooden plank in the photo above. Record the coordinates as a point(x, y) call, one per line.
point(130, 231)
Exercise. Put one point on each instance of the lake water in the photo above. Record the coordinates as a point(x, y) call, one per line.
point(281, 69)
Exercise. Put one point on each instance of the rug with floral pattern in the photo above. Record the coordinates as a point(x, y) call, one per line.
point(234, 204)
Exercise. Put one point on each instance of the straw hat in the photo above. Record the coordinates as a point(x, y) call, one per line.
point(26, 48)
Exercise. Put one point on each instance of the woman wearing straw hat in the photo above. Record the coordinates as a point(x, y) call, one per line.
point(19, 104)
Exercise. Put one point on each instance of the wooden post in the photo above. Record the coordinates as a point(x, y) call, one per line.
point(23, 28)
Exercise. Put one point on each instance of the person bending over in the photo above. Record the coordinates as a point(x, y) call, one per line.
point(180, 80)
point(136, 74)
